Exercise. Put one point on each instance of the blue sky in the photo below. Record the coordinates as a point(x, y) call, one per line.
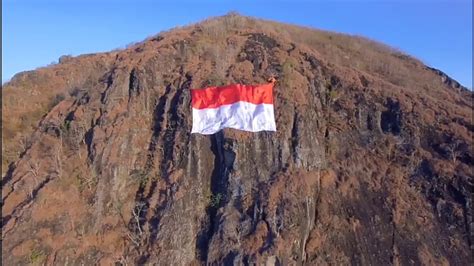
point(37, 32)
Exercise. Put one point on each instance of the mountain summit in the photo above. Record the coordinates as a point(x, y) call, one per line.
point(371, 163)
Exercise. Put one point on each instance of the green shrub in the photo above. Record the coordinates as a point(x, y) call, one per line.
point(215, 200)
point(66, 126)
point(332, 95)
point(36, 256)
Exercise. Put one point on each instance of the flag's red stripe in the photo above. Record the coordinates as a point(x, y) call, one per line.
point(213, 97)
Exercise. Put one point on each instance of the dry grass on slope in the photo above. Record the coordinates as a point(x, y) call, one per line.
point(28, 97)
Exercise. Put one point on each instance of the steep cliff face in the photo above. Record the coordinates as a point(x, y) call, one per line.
point(371, 163)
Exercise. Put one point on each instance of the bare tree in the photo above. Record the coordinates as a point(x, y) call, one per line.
point(137, 235)
point(454, 149)
point(134, 238)
point(137, 212)
point(58, 157)
point(34, 168)
point(29, 189)
point(89, 181)
point(122, 261)
point(25, 142)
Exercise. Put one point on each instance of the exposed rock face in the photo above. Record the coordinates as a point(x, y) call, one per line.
point(365, 168)
point(447, 79)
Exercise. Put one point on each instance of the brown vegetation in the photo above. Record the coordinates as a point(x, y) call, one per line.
point(371, 163)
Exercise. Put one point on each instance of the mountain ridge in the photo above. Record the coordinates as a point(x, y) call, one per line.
point(103, 142)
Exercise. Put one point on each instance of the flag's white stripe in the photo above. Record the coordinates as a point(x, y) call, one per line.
point(240, 115)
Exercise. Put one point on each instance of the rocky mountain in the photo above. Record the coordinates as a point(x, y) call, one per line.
point(371, 163)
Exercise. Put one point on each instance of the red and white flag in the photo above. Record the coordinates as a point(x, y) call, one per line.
point(244, 107)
